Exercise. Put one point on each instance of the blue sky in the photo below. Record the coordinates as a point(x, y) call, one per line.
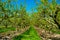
point(29, 3)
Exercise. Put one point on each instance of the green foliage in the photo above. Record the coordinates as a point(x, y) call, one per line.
point(45, 17)
point(58, 17)
point(46, 13)
point(14, 18)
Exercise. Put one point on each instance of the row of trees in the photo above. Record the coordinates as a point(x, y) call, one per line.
point(47, 15)
point(11, 17)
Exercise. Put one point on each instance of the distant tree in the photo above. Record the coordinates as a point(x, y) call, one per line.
point(25, 21)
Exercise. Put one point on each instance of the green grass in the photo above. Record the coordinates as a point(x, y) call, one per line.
point(31, 34)
point(7, 29)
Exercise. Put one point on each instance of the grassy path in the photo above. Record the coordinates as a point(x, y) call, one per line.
point(30, 34)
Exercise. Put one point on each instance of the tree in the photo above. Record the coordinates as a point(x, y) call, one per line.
point(5, 13)
point(47, 13)
point(25, 21)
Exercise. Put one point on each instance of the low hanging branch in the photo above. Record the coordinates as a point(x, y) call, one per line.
point(56, 12)
point(54, 17)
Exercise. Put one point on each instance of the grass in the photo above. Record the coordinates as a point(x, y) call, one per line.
point(7, 29)
point(31, 34)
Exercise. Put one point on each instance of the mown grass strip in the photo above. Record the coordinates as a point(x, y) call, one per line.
point(30, 34)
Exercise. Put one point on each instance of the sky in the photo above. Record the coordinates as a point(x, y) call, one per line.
point(30, 4)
